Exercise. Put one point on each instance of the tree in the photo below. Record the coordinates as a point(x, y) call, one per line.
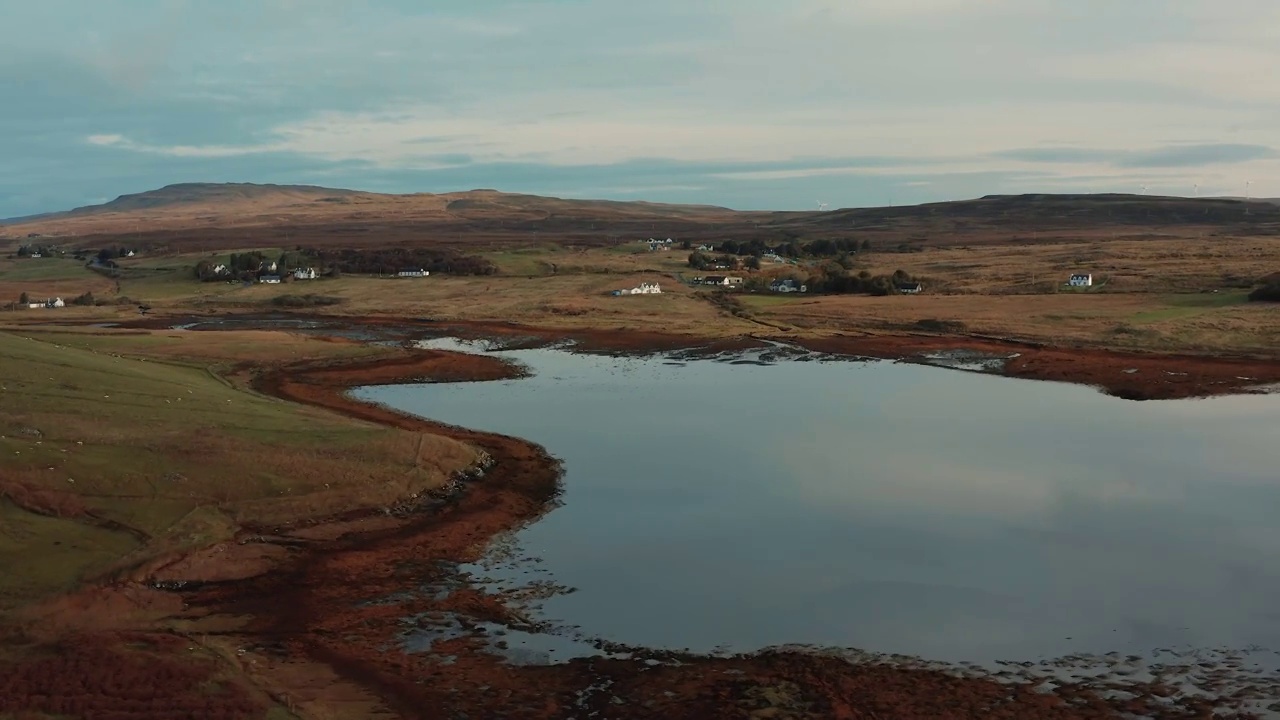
point(698, 260)
point(866, 245)
point(1267, 293)
point(24, 299)
point(686, 245)
point(753, 262)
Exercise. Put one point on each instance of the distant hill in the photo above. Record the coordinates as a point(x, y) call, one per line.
point(209, 216)
point(239, 205)
point(200, 193)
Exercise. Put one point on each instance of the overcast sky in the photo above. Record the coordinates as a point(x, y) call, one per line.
point(745, 103)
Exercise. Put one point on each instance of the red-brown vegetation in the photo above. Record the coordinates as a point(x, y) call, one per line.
point(124, 677)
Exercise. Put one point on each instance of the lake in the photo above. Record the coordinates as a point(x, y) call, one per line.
point(891, 507)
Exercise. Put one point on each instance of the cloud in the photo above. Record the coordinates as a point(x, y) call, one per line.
point(748, 99)
point(1196, 155)
point(1169, 156)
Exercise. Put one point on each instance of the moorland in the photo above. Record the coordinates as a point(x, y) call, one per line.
point(190, 517)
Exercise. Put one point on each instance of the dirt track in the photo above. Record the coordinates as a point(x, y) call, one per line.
point(306, 633)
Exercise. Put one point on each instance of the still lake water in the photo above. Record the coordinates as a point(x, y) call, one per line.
point(889, 507)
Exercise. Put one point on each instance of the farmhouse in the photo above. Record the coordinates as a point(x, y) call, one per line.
point(1081, 280)
point(411, 272)
point(304, 274)
point(54, 303)
point(269, 279)
point(643, 289)
point(722, 280)
point(910, 288)
point(788, 285)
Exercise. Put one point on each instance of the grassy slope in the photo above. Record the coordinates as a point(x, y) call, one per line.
point(173, 451)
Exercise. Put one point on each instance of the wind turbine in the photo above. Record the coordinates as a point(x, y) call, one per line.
point(1247, 183)
point(1197, 189)
point(821, 206)
point(1142, 189)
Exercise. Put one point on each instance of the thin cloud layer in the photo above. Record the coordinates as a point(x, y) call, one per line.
point(747, 103)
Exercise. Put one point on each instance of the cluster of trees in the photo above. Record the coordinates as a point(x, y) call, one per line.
point(29, 250)
point(790, 248)
point(389, 261)
point(110, 253)
point(1267, 293)
point(86, 298)
point(249, 265)
point(836, 279)
point(794, 248)
point(699, 260)
point(734, 254)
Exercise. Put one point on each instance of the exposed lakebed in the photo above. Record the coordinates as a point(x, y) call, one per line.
point(756, 500)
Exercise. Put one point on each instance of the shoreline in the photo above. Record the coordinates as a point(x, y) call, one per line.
point(317, 606)
point(323, 622)
point(1129, 375)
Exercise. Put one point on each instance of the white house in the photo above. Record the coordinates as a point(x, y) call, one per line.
point(269, 279)
point(1081, 280)
point(643, 289)
point(706, 247)
point(304, 274)
point(910, 288)
point(787, 286)
point(722, 280)
point(129, 254)
point(220, 269)
point(413, 273)
point(57, 302)
point(35, 306)
point(269, 267)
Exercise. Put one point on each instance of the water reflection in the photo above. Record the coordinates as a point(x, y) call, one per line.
point(890, 507)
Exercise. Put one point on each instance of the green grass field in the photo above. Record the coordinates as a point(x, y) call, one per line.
point(42, 269)
point(171, 450)
point(1185, 306)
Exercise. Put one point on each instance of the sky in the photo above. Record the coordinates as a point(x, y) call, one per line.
point(750, 104)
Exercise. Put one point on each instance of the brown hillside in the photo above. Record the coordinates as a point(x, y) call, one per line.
point(220, 216)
